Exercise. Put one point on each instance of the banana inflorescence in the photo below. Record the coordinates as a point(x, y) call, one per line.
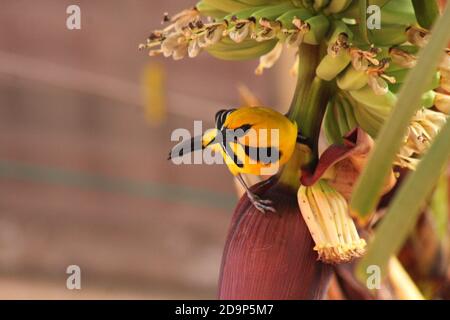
point(368, 66)
point(356, 71)
point(326, 214)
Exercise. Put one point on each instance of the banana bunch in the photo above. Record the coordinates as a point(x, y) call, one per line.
point(284, 21)
point(249, 22)
point(328, 7)
point(368, 70)
point(369, 80)
point(289, 21)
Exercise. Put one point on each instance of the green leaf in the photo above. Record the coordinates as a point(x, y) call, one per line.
point(402, 214)
point(391, 137)
point(439, 207)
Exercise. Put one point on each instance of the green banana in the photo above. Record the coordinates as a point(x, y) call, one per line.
point(272, 12)
point(307, 3)
point(339, 28)
point(287, 18)
point(339, 119)
point(380, 114)
point(396, 17)
point(398, 12)
point(319, 4)
point(367, 97)
point(401, 74)
point(337, 6)
point(273, 23)
point(209, 11)
point(380, 3)
point(346, 119)
point(349, 115)
point(426, 12)
point(241, 25)
point(226, 5)
point(367, 121)
point(428, 99)
point(319, 26)
point(257, 3)
point(395, 87)
point(333, 64)
point(227, 49)
point(409, 48)
point(352, 79)
point(351, 12)
point(388, 35)
point(331, 126)
point(242, 14)
point(329, 67)
point(402, 57)
point(370, 119)
point(435, 81)
point(392, 11)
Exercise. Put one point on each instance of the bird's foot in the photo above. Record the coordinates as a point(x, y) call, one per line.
point(260, 204)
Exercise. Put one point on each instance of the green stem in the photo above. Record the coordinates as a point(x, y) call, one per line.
point(307, 110)
point(310, 99)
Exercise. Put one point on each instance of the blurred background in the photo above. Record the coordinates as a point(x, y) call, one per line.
point(85, 125)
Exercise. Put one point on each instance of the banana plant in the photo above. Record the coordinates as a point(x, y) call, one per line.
point(381, 96)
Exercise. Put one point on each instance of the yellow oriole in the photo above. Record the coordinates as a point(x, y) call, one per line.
point(252, 140)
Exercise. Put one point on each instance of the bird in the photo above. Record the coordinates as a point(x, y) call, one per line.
point(252, 140)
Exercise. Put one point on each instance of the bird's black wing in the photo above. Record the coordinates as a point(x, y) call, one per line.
point(221, 116)
point(264, 155)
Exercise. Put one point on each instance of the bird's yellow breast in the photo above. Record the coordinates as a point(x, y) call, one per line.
point(269, 131)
